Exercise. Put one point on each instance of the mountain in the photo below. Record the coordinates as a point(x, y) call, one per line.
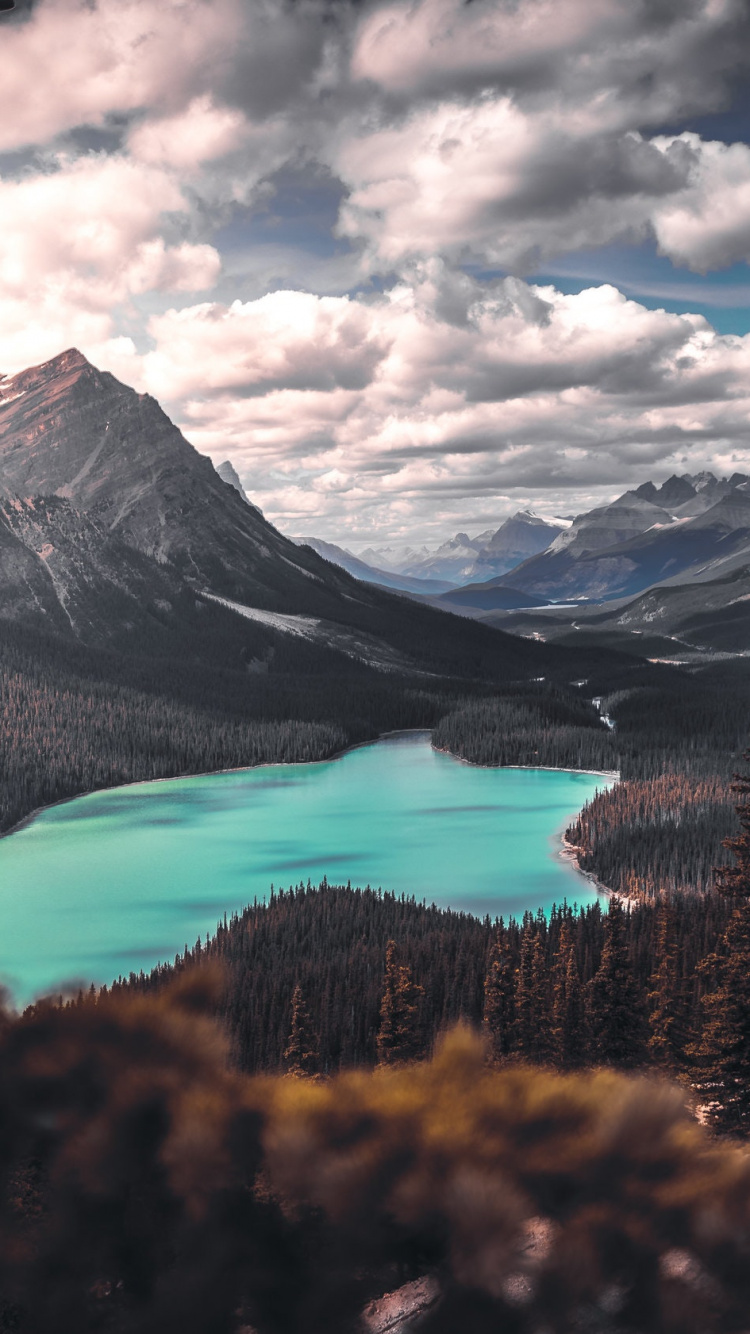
point(370, 574)
point(394, 559)
point(490, 595)
point(115, 531)
point(675, 622)
point(463, 559)
point(71, 431)
point(523, 535)
point(713, 616)
point(454, 561)
point(687, 496)
point(621, 549)
point(228, 473)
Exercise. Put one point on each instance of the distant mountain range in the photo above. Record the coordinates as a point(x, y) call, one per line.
point(370, 574)
point(688, 528)
point(460, 560)
point(678, 622)
point(116, 532)
point(690, 533)
point(662, 570)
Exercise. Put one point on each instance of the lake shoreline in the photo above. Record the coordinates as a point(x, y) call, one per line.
point(568, 852)
point(96, 889)
point(280, 764)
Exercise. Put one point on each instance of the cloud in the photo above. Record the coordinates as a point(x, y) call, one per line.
point(523, 131)
point(80, 241)
point(72, 63)
point(643, 62)
point(186, 140)
point(346, 407)
point(707, 224)
point(481, 136)
point(286, 340)
point(489, 180)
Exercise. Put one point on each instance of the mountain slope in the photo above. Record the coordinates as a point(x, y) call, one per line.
point(465, 559)
point(370, 574)
point(582, 563)
point(70, 430)
point(115, 529)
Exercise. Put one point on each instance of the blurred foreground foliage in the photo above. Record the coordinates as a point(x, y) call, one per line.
point(149, 1186)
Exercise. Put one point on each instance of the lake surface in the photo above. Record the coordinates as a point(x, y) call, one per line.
point(118, 880)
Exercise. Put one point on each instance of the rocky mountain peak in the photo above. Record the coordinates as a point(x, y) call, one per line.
point(228, 473)
point(74, 432)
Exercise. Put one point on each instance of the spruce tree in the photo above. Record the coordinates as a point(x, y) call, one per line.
point(723, 1052)
point(568, 1008)
point(615, 1014)
point(533, 1028)
point(301, 1055)
point(666, 997)
point(734, 881)
point(399, 1036)
point(499, 988)
point(524, 1006)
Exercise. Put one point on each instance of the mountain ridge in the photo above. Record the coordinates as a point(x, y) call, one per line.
point(116, 530)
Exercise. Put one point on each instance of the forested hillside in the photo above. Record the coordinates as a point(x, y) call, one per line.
point(546, 989)
point(74, 719)
point(676, 742)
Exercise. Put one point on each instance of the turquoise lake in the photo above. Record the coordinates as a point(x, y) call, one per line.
point(118, 880)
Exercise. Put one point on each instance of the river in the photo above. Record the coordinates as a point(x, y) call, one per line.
point(118, 880)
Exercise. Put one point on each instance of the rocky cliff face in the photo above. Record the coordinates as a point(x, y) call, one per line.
point(72, 432)
point(64, 569)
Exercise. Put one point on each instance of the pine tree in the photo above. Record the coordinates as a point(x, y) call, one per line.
point(723, 1052)
point(568, 1009)
point(734, 881)
point(301, 1055)
point(666, 997)
point(524, 1004)
point(533, 1029)
point(615, 1013)
point(499, 986)
point(399, 1036)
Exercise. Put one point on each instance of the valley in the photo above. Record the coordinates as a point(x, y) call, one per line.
point(185, 693)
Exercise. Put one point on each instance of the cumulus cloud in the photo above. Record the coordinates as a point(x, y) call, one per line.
point(521, 131)
point(340, 406)
point(85, 62)
point(643, 62)
point(495, 134)
point(78, 242)
point(184, 141)
point(286, 340)
point(491, 180)
point(707, 224)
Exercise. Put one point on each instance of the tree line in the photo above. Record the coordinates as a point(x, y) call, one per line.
point(326, 978)
point(676, 741)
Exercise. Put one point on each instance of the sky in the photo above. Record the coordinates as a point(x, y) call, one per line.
point(410, 266)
